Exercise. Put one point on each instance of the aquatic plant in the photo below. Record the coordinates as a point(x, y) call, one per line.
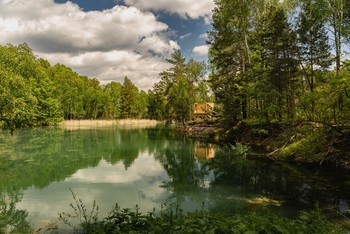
point(86, 219)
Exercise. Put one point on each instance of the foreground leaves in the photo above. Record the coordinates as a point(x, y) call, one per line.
point(174, 220)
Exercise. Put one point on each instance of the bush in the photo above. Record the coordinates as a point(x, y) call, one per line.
point(171, 220)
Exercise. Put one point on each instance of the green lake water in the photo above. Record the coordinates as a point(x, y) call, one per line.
point(148, 167)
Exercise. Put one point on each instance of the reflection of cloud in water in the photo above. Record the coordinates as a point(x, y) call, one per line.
point(144, 166)
point(106, 184)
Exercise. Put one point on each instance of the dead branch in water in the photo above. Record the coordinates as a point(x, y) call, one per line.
point(268, 155)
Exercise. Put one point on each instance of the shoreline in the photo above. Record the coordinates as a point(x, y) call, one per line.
point(319, 146)
point(90, 124)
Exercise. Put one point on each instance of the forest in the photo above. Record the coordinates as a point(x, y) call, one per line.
point(281, 61)
point(35, 93)
point(278, 72)
point(269, 61)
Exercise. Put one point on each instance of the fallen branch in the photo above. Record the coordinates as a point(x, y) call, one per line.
point(273, 152)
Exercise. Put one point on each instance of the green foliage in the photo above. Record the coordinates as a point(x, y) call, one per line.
point(180, 87)
point(69, 91)
point(113, 91)
point(310, 146)
point(239, 149)
point(87, 219)
point(177, 88)
point(34, 93)
point(230, 47)
point(133, 104)
point(156, 104)
point(140, 108)
point(26, 91)
point(16, 102)
point(13, 220)
point(176, 221)
point(270, 61)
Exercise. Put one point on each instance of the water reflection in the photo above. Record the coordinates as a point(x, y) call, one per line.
point(295, 188)
point(148, 167)
point(204, 150)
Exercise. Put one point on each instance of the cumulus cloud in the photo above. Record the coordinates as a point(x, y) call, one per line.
point(201, 50)
point(184, 8)
point(139, 185)
point(114, 66)
point(108, 45)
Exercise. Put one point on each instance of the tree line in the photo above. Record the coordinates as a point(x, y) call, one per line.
point(279, 61)
point(35, 93)
point(270, 60)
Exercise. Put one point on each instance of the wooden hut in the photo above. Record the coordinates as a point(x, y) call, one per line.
point(203, 109)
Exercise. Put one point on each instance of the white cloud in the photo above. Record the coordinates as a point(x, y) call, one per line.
point(184, 8)
point(114, 66)
point(201, 50)
point(186, 35)
point(106, 184)
point(107, 45)
point(144, 166)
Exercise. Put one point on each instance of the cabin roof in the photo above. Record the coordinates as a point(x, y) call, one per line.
point(203, 108)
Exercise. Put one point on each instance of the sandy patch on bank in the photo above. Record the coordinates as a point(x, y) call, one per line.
point(89, 124)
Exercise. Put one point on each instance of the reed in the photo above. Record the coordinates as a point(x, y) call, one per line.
point(89, 124)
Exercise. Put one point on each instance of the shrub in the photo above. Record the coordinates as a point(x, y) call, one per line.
point(171, 220)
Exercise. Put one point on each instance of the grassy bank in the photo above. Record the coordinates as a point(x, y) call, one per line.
point(304, 142)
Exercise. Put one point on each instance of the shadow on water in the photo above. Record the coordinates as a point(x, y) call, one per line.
point(194, 174)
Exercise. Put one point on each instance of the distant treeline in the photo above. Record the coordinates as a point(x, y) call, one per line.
point(35, 93)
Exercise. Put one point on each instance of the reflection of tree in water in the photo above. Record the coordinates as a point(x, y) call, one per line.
point(38, 157)
point(128, 146)
point(55, 154)
point(187, 174)
point(297, 187)
point(13, 220)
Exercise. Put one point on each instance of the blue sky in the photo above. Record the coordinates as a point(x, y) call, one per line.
point(109, 39)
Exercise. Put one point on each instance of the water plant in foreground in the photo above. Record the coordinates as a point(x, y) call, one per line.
point(86, 219)
point(174, 220)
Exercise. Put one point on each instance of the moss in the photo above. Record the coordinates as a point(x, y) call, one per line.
point(309, 146)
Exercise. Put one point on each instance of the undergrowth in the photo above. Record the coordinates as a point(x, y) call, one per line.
point(174, 220)
point(309, 145)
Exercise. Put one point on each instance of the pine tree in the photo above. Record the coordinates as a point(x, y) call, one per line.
point(230, 56)
point(276, 41)
point(313, 48)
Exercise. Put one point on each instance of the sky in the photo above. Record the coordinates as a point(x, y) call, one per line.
point(109, 39)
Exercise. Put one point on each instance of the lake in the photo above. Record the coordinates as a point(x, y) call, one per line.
point(151, 168)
